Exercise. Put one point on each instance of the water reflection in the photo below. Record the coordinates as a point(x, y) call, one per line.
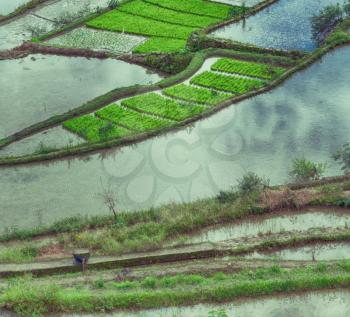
point(274, 224)
point(321, 252)
point(37, 87)
point(197, 161)
point(284, 25)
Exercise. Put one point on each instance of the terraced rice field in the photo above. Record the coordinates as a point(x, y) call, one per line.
point(87, 38)
point(187, 223)
point(168, 23)
point(207, 89)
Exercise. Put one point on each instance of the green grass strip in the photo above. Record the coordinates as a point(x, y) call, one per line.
point(196, 95)
point(94, 129)
point(148, 10)
point(156, 104)
point(161, 45)
point(264, 71)
point(226, 83)
point(200, 7)
point(31, 299)
point(131, 119)
point(118, 21)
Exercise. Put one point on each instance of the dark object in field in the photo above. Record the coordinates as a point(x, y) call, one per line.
point(81, 258)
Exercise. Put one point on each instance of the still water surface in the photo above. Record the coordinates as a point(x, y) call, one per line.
point(307, 116)
point(8, 6)
point(37, 87)
point(283, 25)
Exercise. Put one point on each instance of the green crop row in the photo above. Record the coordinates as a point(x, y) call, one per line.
point(264, 71)
point(200, 7)
point(161, 45)
point(118, 21)
point(130, 119)
point(232, 84)
point(156, 104)
point(148, 10)
point(94, 129)
point(197, 95)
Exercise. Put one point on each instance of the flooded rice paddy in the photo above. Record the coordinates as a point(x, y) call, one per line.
point(274, 224)
point(283, 25)
point(307, 116)
point(84, 37)
point(37, 87)
point(8, 6)
point(54, 138)
point(318, 252)
point(318, 304)
point(43, 19)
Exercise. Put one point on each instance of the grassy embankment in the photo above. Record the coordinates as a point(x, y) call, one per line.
point(28, 298)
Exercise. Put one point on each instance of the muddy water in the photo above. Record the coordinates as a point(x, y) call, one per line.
point(274, 224)
point(321, 304)
point(284, 25)
point(307, 116)
point(320, 252)
point(8, 6)
point(37, 87)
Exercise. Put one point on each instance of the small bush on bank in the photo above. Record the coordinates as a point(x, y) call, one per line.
point(304, 170)
point(251, 183)
point(342, 156)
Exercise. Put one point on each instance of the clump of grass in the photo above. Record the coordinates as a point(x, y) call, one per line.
point(18, 254)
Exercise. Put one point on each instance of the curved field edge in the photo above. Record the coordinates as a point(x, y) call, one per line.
point(29, 299)
point(97, 103)
point(101, 101)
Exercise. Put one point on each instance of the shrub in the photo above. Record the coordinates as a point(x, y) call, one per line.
point(343, 157)
point(325, 18)
point(304, 170)
point(149, 282)
point(251, 182)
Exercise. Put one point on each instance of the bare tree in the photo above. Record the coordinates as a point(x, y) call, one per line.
point(109, 198)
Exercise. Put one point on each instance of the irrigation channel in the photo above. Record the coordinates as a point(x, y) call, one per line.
point(284, 25)
point(307, 116)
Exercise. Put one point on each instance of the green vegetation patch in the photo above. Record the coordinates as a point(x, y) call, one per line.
point(148, 10)
point(131, 119)
point(161, 45)
point(264, 71)
point(200, 7)
point(226, 83)
point(156, 104)
point(116, 20)
point(197, 95)
point(94, 129)
point(28, 298)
